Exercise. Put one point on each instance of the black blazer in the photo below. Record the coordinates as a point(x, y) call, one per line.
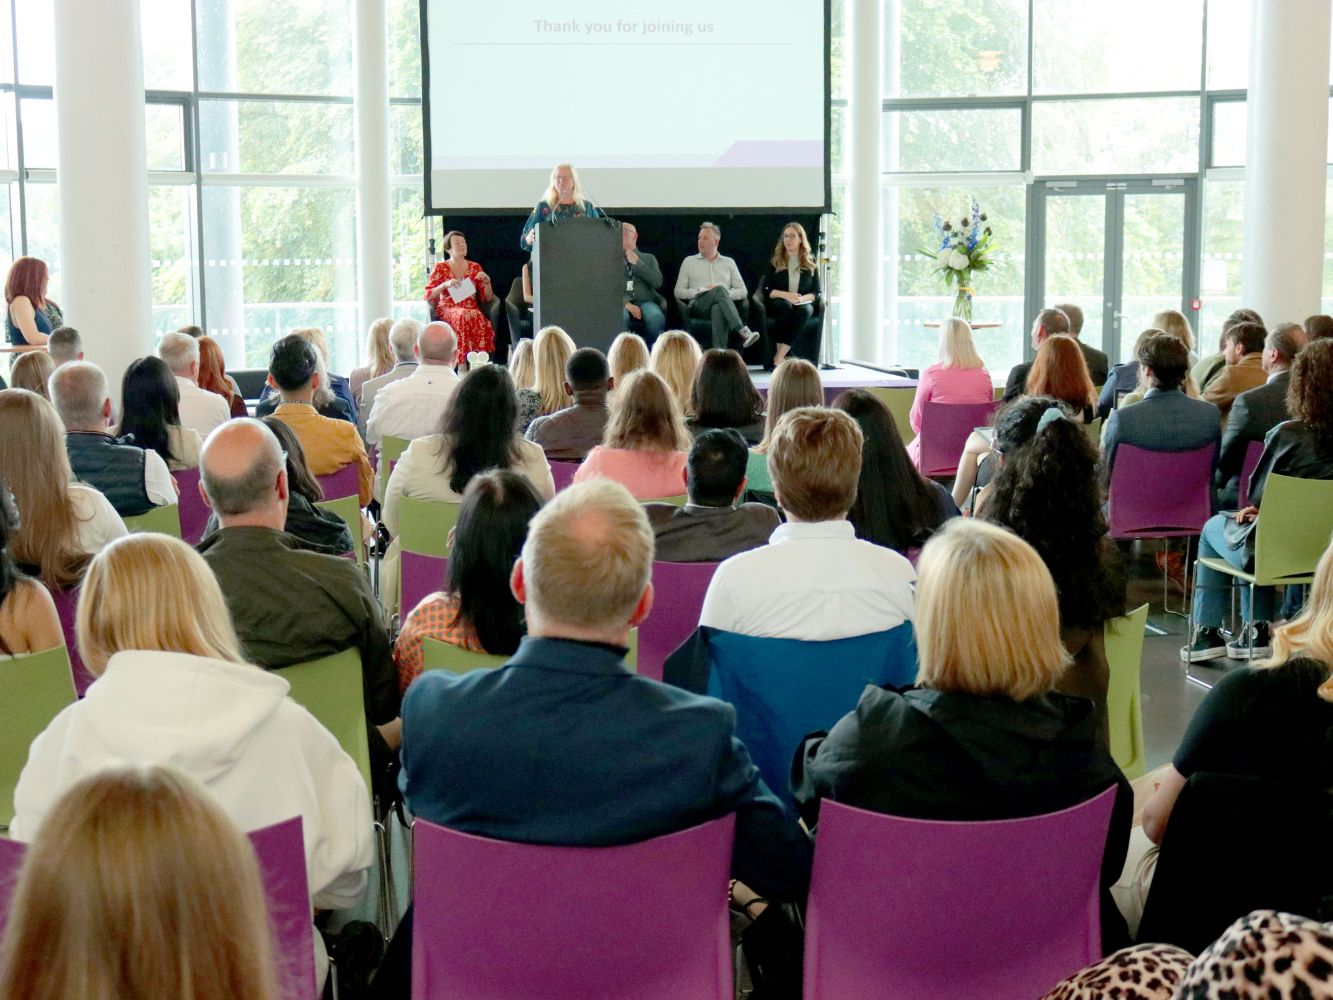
point(775, 279)
point(1253, 415)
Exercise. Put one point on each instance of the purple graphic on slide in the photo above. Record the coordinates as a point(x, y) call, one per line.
point(760, 153)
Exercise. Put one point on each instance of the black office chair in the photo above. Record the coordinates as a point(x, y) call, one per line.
point(518, 313)
point(807, 343)
point(701, 329)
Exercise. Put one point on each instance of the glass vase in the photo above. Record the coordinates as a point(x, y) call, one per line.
point(962, 303)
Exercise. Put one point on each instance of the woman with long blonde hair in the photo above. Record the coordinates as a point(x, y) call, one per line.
point(379, 357)
point(61, 522)
point(563, 199)
point(675, 358)
point(30, 371)
point(550, 353)
point(139, 886)
point(790, 288)
point(957, 376)
point(628, 354)
point(646, 442)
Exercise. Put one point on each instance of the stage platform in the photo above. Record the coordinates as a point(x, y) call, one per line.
point(847, 375)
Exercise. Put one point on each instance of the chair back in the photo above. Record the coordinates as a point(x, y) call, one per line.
point(899, 401)
point(439, 655)
point(346, 482)
point(67, 609)
point(680, 500)
point(160, 521)
point(330, 689)
point(924, 925)
point(563, 473)
point(1139, 505)
point(349, 509)
point(499, 920)
point(11, 860)
point(1253, 451)
point(1124, 699)
point(418, 577)
point(784, 689)
point(192, 510)
point(1294, 529)
point(391, 449)
point(1094, 432)
point(756, 474)
point(33, 690)
point(678, 597)
point(423, 525)
point(944, 430)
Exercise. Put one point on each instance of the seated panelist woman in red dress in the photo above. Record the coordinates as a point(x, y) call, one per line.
point(465, 316)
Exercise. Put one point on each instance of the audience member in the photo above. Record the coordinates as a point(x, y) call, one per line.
point(523, 371)
point(174, 688)
point(329, 444)
point(895, 505)
point(1098, 365)
point(28, 317)
point(64, 344)
point(1301, 448)
point(289, 604)
point(332, 395)
point(675, 358)
point(1060, 371)
point(1048, 322)
point(380, 359)
point(959, 376)
point(477, 610)
point(28, 619)
point(31, 371)
point(1319, 326)
point(1123, 378)
point(139, 886)
point(1166, 419)
point(1244, 366)
point(644, 448)
point(815, 579)
point(213, 377)
point(643, 277)
point(1209, 367)
point(569, 434)
point(200, 410)
point(1047, 493)
point(713, 525)
point(62, 522)
point(1257, 411)
point(723, 395)
point(628, 354)
point(403, 336)
point(1176, 323)
point(191, 330)
point(984, 735)
point(790, 288)
point(795, 383)
point(710, 285)
point(150, 414)
point(134, 480)
point(411, 407)
point(551, 349)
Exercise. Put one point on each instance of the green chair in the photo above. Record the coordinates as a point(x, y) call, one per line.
point(437, 655)
point(999, 393)
point(160, 520)
point(349, 509)
point(676, 501)
point(391, 449)
point(756, 474)
point(899, 401)
point(1124, 702)
point(1094, 431)
point(423, 525)
point(33, 690)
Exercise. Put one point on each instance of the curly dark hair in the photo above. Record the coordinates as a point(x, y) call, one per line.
point(1047, 493)
point(1310, 394)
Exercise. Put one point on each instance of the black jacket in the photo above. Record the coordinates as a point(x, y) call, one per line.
point(1291, 450)
point(1253, 415)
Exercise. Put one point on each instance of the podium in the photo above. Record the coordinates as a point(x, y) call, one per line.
point(578, 280)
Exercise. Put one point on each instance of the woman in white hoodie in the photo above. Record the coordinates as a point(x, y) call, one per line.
point(173, 689)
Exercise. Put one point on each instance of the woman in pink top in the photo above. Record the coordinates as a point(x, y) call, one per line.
point(959, 376)
point(645, 443)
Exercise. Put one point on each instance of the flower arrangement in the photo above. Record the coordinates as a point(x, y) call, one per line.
point(964, 250)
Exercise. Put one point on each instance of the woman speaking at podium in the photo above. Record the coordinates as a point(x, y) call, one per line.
point(564, 200)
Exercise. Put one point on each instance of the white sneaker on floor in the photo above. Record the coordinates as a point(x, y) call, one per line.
point(748, 336)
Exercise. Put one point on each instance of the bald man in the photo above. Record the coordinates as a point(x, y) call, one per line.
point(413, 407)
point(289, 603)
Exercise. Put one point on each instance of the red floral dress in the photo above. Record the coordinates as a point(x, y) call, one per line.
point(466, 317)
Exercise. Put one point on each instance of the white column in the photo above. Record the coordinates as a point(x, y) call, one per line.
point(102, 171)
point(1286, 159)
point(862, 315)
point(374, 247)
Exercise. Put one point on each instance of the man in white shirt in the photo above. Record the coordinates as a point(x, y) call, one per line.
point(403, 339)
point(199, 409)
point(814, 580)
point(412, 407)
point(710, 285)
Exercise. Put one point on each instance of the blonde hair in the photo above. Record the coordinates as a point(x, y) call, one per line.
point(814, 461)
point(645, 417)
point(379, 353)
point(956, 347)
point(795, 383)
point(138, 885)
point(588, 556)
point(1174, 322)
point(314, 336)
point(35, 466)
point(628, 354)
point(152, 592)
point(1310, 633)
point(551, 349)
point(987, 619)
point(553, 196)
point(521, 367)
point(675, 358)
point(805, 258)
point(31, 371)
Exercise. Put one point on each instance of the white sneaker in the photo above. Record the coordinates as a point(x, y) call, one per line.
point(748, 336)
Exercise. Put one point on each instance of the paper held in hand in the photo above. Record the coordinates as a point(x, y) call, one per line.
point(462, 290)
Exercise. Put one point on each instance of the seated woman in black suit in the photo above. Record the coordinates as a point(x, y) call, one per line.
point(983, 736)
point(791, 288)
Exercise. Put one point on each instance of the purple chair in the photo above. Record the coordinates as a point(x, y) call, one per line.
point(497, 920)
point(346, 482)
point(421, 575)
point(190, 504)
point(1253, 451)
point(563, 473)
point(281, 852)
point(944, 430)
point(678, 597)
point(67, 606)
point(933, 910)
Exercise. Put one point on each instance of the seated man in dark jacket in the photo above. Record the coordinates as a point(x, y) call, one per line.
point(568, 435)
point(712, 526)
